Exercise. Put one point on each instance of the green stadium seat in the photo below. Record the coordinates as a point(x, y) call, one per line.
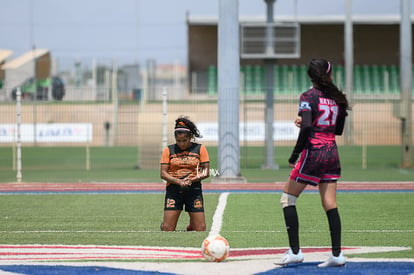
point(258, 79)
point(394, 76)
point(357, 79)
point(248, 79)
point(293, 79)
point(339, 76)
point(375, 80)
point(366, 80)
point(304, 82)
point(212, 80)
point(284, 79)
point(277, 79)
point(384, 79)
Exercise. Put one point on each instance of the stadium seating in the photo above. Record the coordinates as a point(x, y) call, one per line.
point(292, 79)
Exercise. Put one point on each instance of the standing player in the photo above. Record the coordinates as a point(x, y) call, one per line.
point(322, 112)
point(183, 166)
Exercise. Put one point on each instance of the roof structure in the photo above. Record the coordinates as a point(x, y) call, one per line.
point(304, 19)
point(4, 54)
point(23, 59)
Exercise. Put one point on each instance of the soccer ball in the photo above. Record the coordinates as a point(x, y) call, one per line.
point(215, 248)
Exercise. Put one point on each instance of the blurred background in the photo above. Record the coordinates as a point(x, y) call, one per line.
point(104, 74)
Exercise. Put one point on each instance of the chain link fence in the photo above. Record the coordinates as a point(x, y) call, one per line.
point(102, 104)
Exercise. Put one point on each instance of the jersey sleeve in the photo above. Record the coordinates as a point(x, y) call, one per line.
point(340, 122)
point(165, 157)
point(304, 134)
point(204, 154)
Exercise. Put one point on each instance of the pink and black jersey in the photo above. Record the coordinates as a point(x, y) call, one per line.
point(324, 113)
point(322, 119)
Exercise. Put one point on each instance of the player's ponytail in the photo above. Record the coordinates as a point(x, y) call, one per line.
point(184, 124)
point(320, 71)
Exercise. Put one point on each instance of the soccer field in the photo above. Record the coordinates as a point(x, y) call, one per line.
point(250, 220)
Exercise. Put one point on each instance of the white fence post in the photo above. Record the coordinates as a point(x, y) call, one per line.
point(18, 124)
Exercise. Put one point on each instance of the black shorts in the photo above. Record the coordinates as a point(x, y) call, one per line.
point(192, 197)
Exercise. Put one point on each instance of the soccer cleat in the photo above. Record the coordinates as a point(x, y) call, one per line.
point(334, 261)
point(291, 258)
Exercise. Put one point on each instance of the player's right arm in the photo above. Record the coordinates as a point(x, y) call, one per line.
point(340, 122)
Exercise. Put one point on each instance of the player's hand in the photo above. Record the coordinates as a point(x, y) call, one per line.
point(298, 121)
point(184, 182)
point(187, 182)
point(181, 182)
point(291, 165)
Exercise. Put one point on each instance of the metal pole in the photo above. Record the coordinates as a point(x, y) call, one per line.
point(269, 29)
point(18, 131)
point(115, 102)
point(164, 117)
point(406, 82)
point(228, 90)
point(88, 150)
point(349, 65)
point(269, 109)
point(94, 78)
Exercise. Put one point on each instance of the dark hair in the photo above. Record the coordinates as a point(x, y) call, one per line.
point(320, 71)
point(184, 124)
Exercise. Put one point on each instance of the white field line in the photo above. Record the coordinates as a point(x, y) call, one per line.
point(218, 214)
point(216, 228)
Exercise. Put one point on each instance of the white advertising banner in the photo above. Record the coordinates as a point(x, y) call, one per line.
point(47, 132)
point(252, 131)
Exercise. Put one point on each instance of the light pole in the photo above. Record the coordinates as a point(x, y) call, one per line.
point(269, 85)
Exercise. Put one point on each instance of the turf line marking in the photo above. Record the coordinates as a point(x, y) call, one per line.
point(232, 231)
point(218, 214)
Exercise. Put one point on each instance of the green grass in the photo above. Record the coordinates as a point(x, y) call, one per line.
point(250, 220)
point(118, 164)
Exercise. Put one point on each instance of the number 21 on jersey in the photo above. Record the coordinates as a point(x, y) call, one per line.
point(328, 116)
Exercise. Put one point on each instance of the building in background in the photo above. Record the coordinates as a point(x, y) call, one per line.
point(376, 54)
point(32, 73)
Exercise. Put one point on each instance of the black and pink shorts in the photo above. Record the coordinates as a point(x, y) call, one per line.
point(318, 164)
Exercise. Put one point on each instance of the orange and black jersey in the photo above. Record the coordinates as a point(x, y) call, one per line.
point(184, 163)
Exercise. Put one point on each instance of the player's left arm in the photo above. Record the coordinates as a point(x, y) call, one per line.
point(203, 170)
point(305, 130)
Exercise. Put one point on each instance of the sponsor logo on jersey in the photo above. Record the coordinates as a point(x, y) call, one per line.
point(304, 105)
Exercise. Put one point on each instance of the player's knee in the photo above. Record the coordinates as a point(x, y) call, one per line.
point(287, 200)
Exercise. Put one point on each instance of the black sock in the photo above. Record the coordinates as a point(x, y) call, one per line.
point(335, 228)
point(292, 226)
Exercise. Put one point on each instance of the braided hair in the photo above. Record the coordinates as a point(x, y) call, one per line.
point(320, 71)
point(184, 125)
